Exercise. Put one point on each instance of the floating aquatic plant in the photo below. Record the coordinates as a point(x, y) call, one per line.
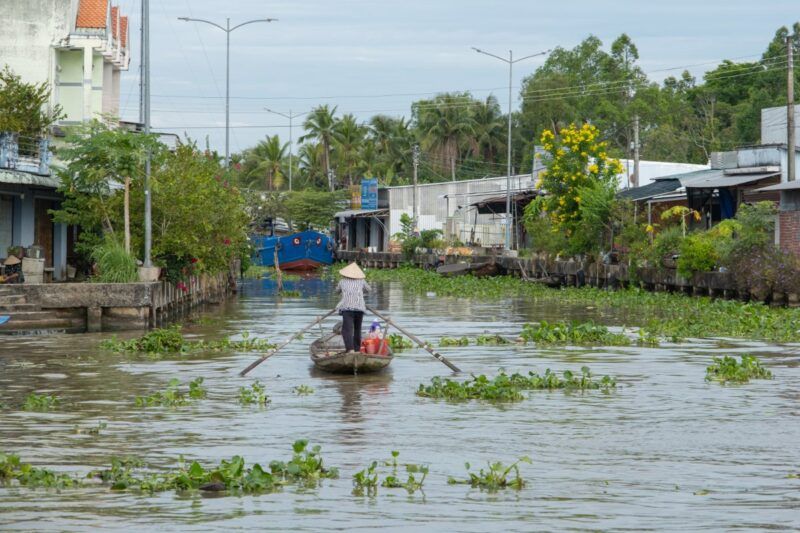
point(256, 394)
point(91, 430)
point(365, 482)
point(449, 341)
point(171, 341)
point(663, 314)
point(303, 390)
point(172, 396)
point(12, 470)
point(508, 388)
point(398, 342)
point(727, 369)
point(496, 476)
point(41, 402)
point(306, 464)
point(572, 333)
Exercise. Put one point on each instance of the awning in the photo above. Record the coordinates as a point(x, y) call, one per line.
point(656, 188)
point(360, 213)
point(723, 181)
point(785, 186)
point(16, 177)
point(497, 204)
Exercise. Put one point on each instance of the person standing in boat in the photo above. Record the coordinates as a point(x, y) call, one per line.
point(352, 307)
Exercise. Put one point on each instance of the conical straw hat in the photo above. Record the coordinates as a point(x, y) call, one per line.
point(12, 260)
point(352, 271)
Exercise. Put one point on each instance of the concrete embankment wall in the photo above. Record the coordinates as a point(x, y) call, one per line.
point(574, 273)
point(92, 307)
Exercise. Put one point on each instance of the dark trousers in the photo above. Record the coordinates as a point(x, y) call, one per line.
point(351, 329)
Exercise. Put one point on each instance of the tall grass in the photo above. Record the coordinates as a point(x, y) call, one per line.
point(114, 264)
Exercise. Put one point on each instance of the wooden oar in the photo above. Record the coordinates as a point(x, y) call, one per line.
point(290, 339)
point(414, 338)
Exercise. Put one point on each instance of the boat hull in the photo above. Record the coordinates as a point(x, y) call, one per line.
point(304, 251)
point(328, 355)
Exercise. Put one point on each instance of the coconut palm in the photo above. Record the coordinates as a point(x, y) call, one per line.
point(320, 125)
point(393, 140)
point(490, 129)
point(446, 125)
point(264, 163)
point(348, 137)
point(311, 160)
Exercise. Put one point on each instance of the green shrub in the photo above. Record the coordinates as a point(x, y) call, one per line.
point(698, 253)
point(666, 244)
point(114, 264)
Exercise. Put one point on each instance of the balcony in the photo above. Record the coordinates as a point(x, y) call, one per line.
point(25, 154)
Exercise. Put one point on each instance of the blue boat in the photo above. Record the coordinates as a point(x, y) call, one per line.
point(307, 250)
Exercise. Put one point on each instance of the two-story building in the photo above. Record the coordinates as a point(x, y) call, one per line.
point(80, 49)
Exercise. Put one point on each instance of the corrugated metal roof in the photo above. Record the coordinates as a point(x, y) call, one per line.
point(650, 190)
point(785, 186)
point(716, 182)
point(351, 213)
point(92, 14)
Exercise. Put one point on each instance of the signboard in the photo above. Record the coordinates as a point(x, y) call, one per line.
point(369, 193)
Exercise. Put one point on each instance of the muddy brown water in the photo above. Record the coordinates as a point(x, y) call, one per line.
point(666, 451)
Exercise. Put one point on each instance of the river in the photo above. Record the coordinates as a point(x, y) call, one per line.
point(665, 451)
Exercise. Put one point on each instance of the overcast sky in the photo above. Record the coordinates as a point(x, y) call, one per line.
point(369, 56)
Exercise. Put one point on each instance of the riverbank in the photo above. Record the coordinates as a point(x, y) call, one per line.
point(664, 314)
point(95, 307)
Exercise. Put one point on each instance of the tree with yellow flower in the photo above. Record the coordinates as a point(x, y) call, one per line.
point(575, 161)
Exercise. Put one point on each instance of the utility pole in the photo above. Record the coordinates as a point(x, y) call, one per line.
point(415, 158)
point(510, 61)
point(635, 151)
point(291, 116)
point(228, 30)
point(145, 81)
point(790, 162)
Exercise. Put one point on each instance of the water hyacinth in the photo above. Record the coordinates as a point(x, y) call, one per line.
point(663, 314)
point(727, 369)
point(508, 388)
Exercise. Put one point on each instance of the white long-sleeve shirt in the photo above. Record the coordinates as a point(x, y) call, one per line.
point(352, 294)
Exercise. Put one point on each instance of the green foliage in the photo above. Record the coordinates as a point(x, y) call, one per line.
point(398, 342)
point(305, 465)
point(365, 482)
point(662, 314)
point(491, 340)
point(24, 107)
point(171, 341)
point(256, 394)
point(41, 402)
point(727, 369)
point(496, 476)
point(428, 238)
point(114, 264)
point(312, 209)
point(507, 388)
point(172, 396)
point(13, 470)
point(449, 341)
point(698, 253)
point(303, 390)
point(572, 333)
point(665, 245)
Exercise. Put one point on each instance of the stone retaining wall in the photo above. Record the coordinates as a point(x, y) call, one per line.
point(91, 307)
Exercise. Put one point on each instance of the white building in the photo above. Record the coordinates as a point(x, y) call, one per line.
point(79, 47)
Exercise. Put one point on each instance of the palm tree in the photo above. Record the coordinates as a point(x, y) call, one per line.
point(320, 125)
point(490, 133)
point(311, 160)
point(265, 161)
point(393, 140)
point(348, 137)
point(446, 124)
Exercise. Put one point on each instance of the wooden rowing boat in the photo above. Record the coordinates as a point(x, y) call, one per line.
point(327, 354)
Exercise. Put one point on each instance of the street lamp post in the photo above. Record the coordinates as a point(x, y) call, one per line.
point(510, 61)
point(228, 30)
point(291, 116)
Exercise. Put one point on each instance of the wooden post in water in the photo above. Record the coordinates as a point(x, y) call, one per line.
point(278, 273)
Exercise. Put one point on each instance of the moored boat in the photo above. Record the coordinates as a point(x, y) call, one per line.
point(307, 250)
point(328, 354)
